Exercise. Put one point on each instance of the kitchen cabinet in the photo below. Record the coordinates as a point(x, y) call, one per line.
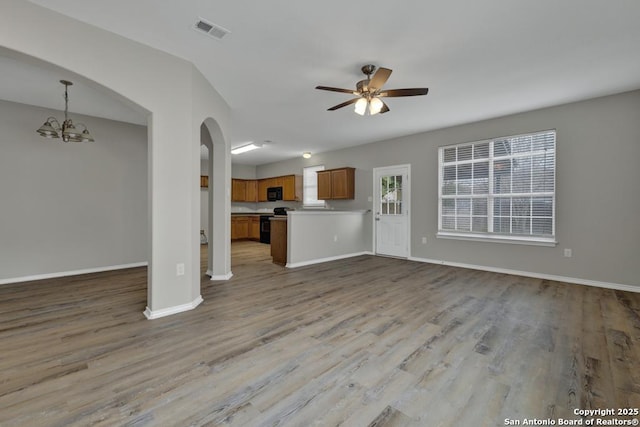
point(239, 227)
point(263, 184)
point(291, 187)
point(254, 228)
point(244, 190)
point(279, 240)
point(324, 185)
point(289, 191)
point(335, 184)
point(245, 227)
point(252, 191)
point(238, 190)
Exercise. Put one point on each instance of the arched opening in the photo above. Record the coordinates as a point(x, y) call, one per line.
point(77, 207)
point(218, 168)
point(205, 203)
point(176, 99)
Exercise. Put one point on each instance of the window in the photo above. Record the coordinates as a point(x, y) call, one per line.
point(310, 186)
point(502, 188)
point(391, 195)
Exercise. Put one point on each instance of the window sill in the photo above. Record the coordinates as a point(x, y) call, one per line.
point(514, 240)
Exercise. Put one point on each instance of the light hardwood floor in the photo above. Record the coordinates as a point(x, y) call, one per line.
point(366, 341)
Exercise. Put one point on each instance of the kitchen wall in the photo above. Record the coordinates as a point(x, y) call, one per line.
point(70, 206)
point(598, 173)
point(243, 171)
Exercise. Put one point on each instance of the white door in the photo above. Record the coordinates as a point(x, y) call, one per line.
point(391, 210)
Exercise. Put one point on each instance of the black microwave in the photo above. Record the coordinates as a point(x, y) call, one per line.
point(274, 193)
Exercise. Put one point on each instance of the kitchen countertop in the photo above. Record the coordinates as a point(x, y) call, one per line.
point(328, 212)
point(251, 213)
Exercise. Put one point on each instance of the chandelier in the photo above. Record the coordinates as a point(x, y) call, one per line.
point(67, 131)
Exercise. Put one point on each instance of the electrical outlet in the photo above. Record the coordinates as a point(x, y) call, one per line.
point(370, 199)
point(335, 237)
point(424, 240)
point(180, 269)
point(568, 253)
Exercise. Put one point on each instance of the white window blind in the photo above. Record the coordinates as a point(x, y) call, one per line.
point(499, 188)
point(310, 186)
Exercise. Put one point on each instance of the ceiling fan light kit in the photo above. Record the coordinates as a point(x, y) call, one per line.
point(369, 91)
point(67, 131)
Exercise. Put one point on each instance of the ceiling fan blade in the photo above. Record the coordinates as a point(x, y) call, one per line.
point(336, 89)
point(379, 79)
point(344, 104)
point(405, 92)
point(384, 108)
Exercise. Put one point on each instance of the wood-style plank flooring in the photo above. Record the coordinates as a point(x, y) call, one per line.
point(366, 341)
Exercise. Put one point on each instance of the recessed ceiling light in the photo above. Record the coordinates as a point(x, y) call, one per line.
point(306, 154)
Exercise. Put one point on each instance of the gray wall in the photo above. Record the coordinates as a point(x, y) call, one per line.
point(70, 206)
point(243, 171)
point(598, 173)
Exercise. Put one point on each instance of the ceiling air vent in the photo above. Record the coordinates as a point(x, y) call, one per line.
point(213, 30)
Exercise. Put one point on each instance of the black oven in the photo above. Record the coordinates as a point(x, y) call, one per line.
point(274, 193)
point(265, 229)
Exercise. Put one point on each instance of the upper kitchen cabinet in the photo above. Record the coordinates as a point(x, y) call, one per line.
point(334, 184)
point(244, 190)
point(291, 187)
point(252, 190)
point(263, 184)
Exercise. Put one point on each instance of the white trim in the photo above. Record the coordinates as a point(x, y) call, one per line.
point(575, 280)
point(71, 273)
point(155, 314)
point(407, 205)
point(321, 260)
point(227, 276)
point(514, 240)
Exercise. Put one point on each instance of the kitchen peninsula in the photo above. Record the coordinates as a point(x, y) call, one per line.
point(305, 237)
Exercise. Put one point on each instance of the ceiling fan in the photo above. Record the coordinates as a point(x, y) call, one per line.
point(369, 92)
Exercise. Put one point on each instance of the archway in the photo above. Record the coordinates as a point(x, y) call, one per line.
point(218, 165)
point(178, 99)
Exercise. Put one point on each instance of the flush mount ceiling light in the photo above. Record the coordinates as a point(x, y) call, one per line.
point(369, 91)
point(306, 154)
point(67, 131)
point(247, 147)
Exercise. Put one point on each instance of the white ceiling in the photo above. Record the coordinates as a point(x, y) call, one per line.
point(480, 59)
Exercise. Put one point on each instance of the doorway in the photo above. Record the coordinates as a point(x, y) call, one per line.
point(392, 213)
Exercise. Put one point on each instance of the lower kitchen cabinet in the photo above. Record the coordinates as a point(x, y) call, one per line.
point(239, 227)
point(245, 227)
point(254, 228)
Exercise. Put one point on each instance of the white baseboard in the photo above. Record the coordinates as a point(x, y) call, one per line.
point(577, 281)
point(227, 276)
point(321, 260)
point(71, 273)
point(155, 314)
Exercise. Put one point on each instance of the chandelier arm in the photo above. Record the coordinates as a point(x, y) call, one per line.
point(54, 123)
